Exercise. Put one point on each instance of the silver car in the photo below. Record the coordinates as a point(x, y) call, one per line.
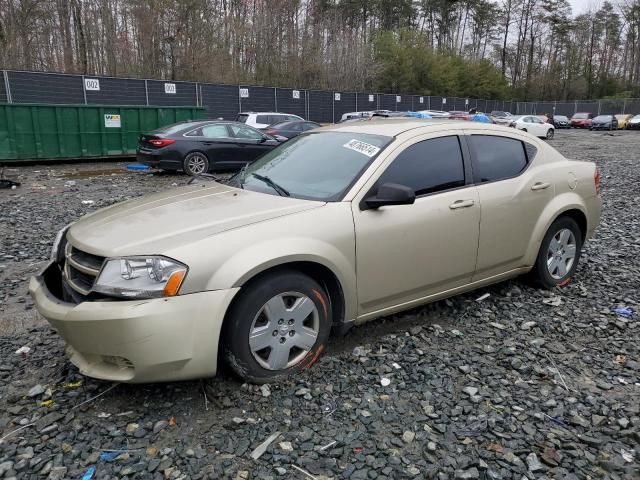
point(336, 227)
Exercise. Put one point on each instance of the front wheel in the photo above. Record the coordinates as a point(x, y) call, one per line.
point(559, 254)
point(195, 164)
point(278, 326)
point(550, 134)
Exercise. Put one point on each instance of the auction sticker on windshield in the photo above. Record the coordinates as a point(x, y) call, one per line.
point(362, 147)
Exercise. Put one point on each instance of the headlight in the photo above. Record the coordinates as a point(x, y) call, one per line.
point(57, 253)
point(140, 277)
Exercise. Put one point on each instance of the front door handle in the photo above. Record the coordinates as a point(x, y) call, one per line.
point(462, 204)
point(540, 186)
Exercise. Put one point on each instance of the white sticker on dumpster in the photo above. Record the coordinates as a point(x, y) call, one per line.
point(362, 147)
point(112, 121)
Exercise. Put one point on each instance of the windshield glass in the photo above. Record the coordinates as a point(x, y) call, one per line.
point(637, 117)
point(561, 118)
point(316, 166)
point(580, 116)
point(602, 118)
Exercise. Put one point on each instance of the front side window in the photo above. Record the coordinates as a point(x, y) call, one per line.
point(497, 158)
point(246, 133)
point(316, 166)
point(427, 167)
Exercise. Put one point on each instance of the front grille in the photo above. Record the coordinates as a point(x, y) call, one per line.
point(81, 269)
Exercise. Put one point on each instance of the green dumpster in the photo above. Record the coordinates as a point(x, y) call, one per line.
point(61, 132)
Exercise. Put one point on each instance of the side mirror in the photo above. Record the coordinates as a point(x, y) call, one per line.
point(391, 194)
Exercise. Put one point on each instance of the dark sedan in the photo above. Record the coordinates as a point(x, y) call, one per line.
point(560, 121)
point(604, 122)
point(290, 128)
point(203, 146)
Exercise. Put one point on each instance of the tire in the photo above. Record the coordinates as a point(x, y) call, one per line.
point(276, 308)
point(559, 254)
point(550, 134)
point(195, 163)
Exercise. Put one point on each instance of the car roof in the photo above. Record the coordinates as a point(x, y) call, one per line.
point(268, 113)
point(392, 128)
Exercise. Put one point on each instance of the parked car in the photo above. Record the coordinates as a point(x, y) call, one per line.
point(581, 120)
point(501, 118)
point(200, 147)
point(623, 120)
point(360, 115)
point(337, 226)
point(560, 121)
point(436, 113)
point(533, 125)
point(262, 120)
point(459, 115)
point(290, 129)
point(634, 123)
point(604, 122)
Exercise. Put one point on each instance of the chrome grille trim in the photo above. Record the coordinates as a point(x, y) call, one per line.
point(81, 269)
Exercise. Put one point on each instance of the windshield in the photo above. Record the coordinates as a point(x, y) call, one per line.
point(602, 118)
point(637, 117)
point(581, 116)
point(315, 166)
point(561, 118)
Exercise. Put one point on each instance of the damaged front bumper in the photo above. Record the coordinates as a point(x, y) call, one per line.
point(135, 341)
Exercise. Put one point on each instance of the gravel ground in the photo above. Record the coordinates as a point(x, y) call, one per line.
point(523, 384)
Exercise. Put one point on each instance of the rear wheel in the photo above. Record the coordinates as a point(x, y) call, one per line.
point(195, 163)
point(278, 326)
point(550, 134)
point(559, 254)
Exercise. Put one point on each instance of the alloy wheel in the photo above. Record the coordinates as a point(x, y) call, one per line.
point(561, 254)
point(284, 330)
point(197, 164)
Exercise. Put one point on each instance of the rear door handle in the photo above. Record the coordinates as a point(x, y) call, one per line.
point(540, 185)
point(462, 204)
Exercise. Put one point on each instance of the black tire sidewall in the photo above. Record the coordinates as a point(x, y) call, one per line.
point(541, 272)
point(185, 162)
point(235, 334)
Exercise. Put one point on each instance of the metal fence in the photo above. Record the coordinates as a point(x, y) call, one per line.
point(227, 101)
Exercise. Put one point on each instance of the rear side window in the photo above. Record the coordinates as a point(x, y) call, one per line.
point(262, 119)
point(497, 158)
point(429, 166)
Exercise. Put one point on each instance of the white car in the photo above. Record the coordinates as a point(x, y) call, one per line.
point(534, 125)
point(634, 123)
point(264, 119)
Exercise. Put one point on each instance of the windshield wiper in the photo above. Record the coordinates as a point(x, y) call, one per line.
point(281, 190)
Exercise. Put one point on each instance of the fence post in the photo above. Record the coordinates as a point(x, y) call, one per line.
point(624, 105)
point(333, 108)
point(84, 90)
point(275, 98)
point(599, 106)
point(575, 107)
point(356, 101)
point(197, 101)
point(146, 91)
point(7, 87)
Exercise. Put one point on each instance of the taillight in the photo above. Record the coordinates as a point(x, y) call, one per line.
point(596, 180)
point(270, 131)
point(161, 142)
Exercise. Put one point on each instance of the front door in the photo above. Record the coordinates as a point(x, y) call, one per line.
point(252, 143)
point(407, 252)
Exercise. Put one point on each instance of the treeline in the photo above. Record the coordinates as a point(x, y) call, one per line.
point(519, 49)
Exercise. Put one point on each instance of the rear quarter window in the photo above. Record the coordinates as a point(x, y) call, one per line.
point(498, 158)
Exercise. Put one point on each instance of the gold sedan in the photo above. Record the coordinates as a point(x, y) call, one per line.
point(335, 227)
point(623, 120)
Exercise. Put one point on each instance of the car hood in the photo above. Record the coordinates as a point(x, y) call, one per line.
point(155, 223)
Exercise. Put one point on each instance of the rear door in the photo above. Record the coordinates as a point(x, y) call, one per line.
point(513, 189)
point(214, 139)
